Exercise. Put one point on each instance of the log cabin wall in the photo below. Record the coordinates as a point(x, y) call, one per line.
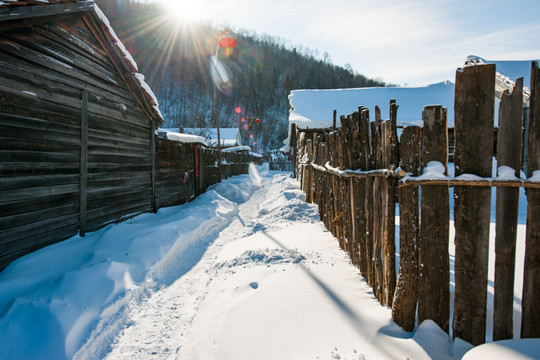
point(68, 122)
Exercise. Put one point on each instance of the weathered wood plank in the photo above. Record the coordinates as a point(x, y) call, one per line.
point(391, 147)
point(40, 12)
point(433, 256)
point(12, 239)
point(37, 192)
point(43, 90)
point(22, 206)
point(10, 144)
point(29, 217)
point(15, 182)
point(37, 156)
point(64, 53)
point(36, 130)
point(153, 171)
point(530, 316)
point(508, 154)
point(83, 185)
point(406, 295)
point(377, 209)
point(26, 106)
point(474, 110)
point(117, 93)
point(48, 60)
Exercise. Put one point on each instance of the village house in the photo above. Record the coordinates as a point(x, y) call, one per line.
point(77, 125)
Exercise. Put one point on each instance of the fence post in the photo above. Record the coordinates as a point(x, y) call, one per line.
point(508, 154)
point(474, 110)
point(433, 289)
point(362, 226)
point(406, 295)
point(389, 233)
point(309, 178)
point(530, 316)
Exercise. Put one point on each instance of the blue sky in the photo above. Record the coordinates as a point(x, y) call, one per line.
point(414, 42)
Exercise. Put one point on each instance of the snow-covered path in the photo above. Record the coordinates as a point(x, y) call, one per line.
point(273, 285)
point(160, 325)
point(245, 271)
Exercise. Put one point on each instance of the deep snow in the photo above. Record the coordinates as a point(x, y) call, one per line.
point(245, 271)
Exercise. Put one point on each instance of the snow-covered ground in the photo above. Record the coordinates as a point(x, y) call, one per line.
point(245, 271)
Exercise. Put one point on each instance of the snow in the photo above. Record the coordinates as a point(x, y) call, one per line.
point(245, 271)
point(227, 136)
point(510, 70)
point(535, 176)
point(524, 349)
point(183, 138)
point(506, 173)
point(237, 148)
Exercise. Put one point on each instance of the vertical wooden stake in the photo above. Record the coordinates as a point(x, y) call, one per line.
point(406, 295)
point(83, 164)
point(474, 110)
point(508, 154)
point(530, 321)
point(433, 256)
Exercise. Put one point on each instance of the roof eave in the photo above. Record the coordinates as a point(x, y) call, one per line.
point(19, 13)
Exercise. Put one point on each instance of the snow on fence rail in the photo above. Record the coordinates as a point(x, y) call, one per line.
point(358, 205)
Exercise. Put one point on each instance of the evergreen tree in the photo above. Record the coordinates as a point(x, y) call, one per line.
point(175, 60)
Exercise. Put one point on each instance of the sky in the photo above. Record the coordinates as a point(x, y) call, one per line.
point(415, 42)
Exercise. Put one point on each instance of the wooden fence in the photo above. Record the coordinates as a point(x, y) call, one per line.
point(279, 161)
point(355, 174)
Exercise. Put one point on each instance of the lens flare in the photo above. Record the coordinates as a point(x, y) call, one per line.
point(221, 76)
point(254, 173)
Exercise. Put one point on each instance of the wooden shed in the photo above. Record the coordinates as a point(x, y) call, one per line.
point(77, 126)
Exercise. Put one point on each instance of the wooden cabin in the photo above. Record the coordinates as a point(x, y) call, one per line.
point(77, 126)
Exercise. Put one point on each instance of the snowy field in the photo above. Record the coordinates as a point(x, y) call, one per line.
point(245, 271)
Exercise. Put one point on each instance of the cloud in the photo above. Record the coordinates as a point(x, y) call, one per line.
point(413, 41)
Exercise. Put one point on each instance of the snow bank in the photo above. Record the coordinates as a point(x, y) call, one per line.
point(71, 299)
point(522, 349)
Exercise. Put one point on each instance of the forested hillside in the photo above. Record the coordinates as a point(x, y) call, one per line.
point(176, 60)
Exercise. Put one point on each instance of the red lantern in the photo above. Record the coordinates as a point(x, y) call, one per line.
point(258, 120)
point(226, 42)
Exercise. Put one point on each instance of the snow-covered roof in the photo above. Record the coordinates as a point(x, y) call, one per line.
point(507, 72)
point(237, 148)
point(183, 138)
point(14, 10)
point(227, 136)
point(313, 109)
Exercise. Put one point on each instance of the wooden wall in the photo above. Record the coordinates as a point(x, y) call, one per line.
point(47, 157)
point(176, 177)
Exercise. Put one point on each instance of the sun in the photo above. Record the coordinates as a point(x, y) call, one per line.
point(185, 9)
